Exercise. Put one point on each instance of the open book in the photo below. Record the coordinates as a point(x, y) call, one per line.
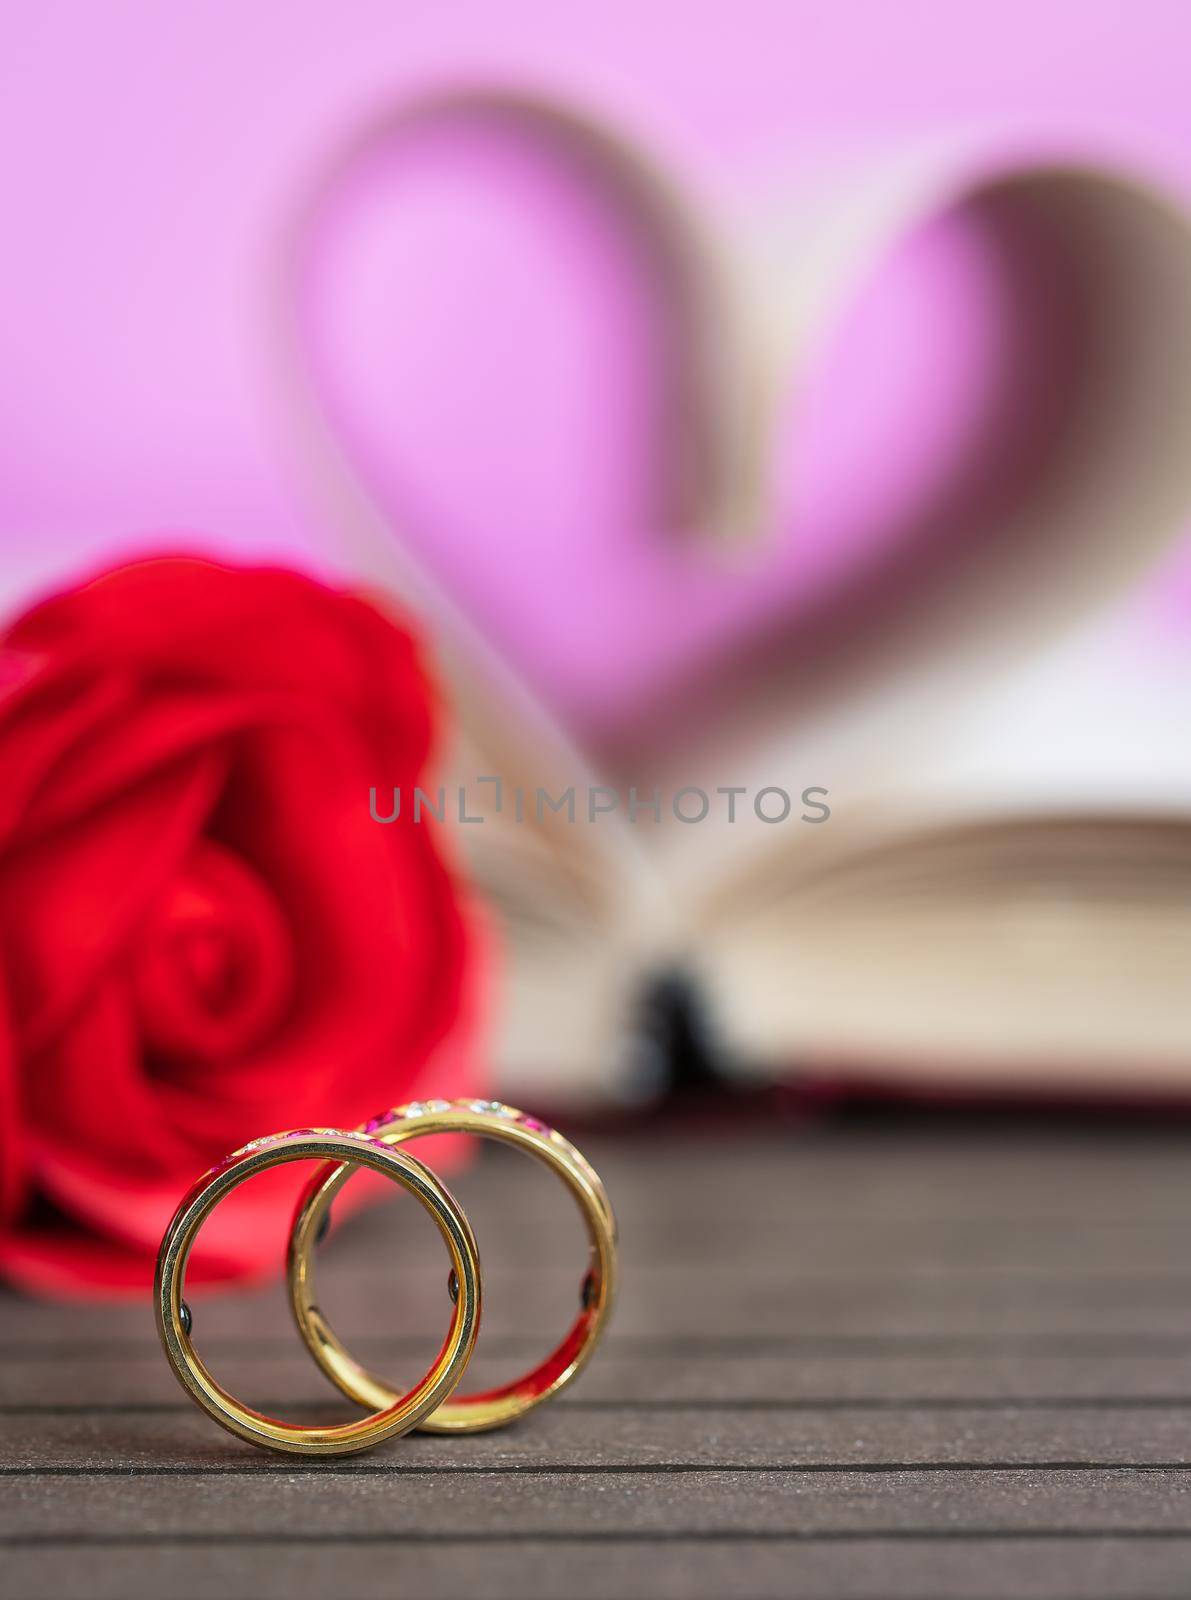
point(1005, 912)
point(976, 895)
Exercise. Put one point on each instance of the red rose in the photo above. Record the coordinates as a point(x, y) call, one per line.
point(204, 936)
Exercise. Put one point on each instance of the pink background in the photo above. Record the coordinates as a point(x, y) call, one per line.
point(154, 158)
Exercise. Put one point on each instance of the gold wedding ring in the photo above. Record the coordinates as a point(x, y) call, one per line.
point(491, 1120)
point(397, 1412)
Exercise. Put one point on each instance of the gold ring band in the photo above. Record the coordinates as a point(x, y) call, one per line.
point(488, 1119)
point(397, 1413)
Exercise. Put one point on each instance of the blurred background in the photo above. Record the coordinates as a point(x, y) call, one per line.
point(775, 396)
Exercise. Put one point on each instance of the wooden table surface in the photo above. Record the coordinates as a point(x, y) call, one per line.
point(855, 1364)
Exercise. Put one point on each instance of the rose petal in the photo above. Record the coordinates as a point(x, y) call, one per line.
point(213, 968)
point(65, 1261)
point(204, 624)
point(13, 1169)
point(92, 1093)
point(379, 949)
point(41, 725)
point(68, 905)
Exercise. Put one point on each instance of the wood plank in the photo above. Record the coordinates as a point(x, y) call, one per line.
point(797, 1568)
point(769, 1308)
point(562, 1438)
point(281, 1376)
point(1106, 1178)
point(799, 1182)
point(379, 1498)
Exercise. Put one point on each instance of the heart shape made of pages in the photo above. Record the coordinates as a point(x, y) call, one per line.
point(923, 408)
